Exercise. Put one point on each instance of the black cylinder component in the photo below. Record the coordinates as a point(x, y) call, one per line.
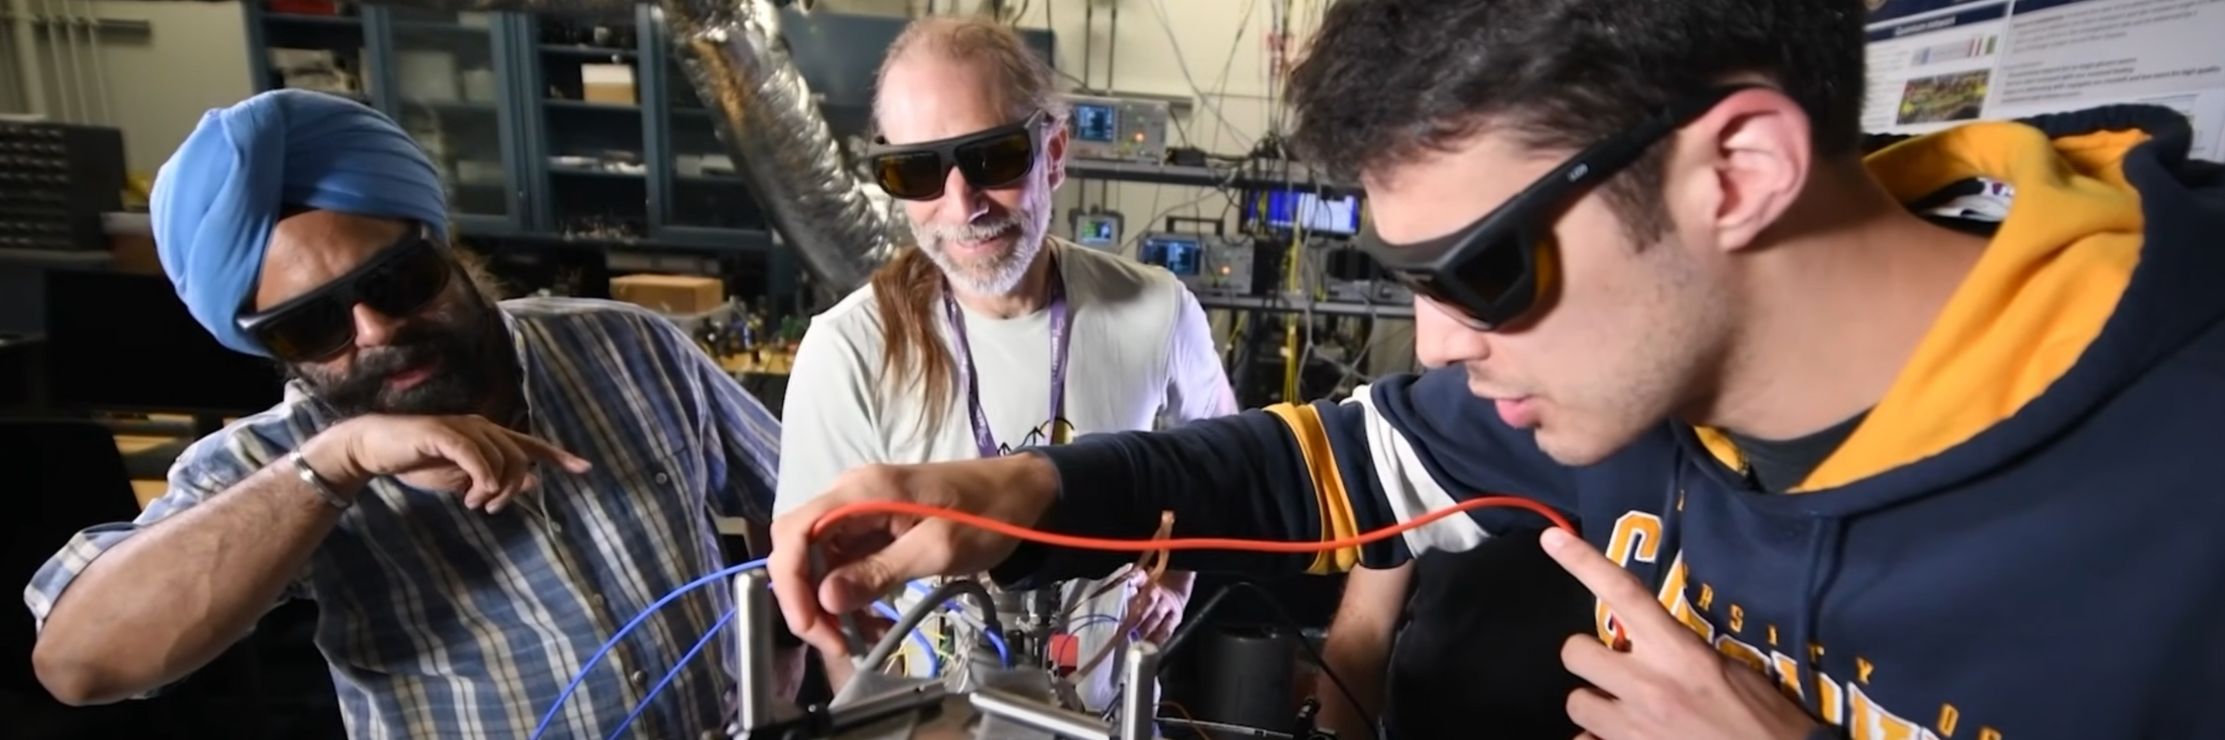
point(1247, 676)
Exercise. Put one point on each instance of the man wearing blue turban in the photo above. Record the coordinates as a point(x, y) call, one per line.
point(476, 493)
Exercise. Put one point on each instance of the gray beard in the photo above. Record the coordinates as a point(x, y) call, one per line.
point(997, 274)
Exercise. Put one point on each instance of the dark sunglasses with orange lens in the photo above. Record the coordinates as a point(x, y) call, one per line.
point(397, 281)
point(1493, 271)
point(994, 158)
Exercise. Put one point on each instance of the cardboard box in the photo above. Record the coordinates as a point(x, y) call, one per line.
point(671, 294)
point(607, 83)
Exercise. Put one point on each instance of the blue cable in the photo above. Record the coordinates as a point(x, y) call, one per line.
point(998, 642)
point(581, 677)
point(934, 662)
point(671, 674)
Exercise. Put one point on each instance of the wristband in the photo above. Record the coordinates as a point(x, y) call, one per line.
point(317, 482)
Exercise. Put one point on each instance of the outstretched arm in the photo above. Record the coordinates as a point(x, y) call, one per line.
point(1303, 473)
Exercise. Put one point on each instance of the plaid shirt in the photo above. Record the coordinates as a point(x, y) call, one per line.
point(445, 622)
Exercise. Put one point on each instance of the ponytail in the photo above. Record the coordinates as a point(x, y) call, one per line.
point(906, 291)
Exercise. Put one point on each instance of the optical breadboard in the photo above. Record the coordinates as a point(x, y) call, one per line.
point(1118, 129)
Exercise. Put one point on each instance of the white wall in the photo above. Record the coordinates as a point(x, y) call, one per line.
point(158, 83)
point(195, 60)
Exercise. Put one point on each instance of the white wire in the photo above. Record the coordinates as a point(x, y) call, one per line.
point(1277, 117)
point(1159, 12)
point(1220, 87)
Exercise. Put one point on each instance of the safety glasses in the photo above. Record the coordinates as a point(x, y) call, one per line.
point(1493, 271)
point(989, 159)
point(396, 282)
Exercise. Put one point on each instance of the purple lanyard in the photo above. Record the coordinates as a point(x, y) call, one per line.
point(982, 439)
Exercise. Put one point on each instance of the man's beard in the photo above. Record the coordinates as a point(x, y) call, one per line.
point(465, 353)
point(994, 274)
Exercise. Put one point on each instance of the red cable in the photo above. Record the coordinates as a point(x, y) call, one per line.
point(1181, 543)
point(1620, 641)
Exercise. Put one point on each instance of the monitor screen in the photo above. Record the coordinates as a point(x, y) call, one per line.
point(1094, 122)
point(1289, 210)
point(122, 341)
point(1102, 230)
point(1181, 255)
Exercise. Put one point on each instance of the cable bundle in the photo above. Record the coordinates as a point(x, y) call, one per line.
point(907, 623)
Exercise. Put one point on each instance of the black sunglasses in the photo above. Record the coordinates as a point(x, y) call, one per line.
point(1494, 270)
point(989, 159)
point(397, 281)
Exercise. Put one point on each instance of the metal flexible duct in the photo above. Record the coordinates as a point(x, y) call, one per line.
point(733, 53)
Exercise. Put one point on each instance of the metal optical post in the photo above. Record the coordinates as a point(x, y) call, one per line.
point(1139, 700)
point(753, 604)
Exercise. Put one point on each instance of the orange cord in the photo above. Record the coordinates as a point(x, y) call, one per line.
point(1620, 641)
point(1183, 543)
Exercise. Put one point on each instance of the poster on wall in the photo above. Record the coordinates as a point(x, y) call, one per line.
point(1936, 63)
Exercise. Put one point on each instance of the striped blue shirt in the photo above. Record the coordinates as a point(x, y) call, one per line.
point(439, 621)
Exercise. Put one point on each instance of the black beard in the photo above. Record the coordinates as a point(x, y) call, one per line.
point(471, 351)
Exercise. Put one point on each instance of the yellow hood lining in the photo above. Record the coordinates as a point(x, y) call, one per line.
point(2038, 296)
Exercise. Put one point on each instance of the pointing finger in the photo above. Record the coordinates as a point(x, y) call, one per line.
point(1631, 602)
point(544, 450)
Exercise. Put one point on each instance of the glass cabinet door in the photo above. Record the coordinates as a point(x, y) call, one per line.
point(591, 125)
point(311, 45)
point(706, 188)
point(447, 73)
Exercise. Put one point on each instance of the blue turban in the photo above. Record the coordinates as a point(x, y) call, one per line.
point(216, 200)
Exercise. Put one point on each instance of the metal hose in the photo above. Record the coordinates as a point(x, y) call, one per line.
point(733, 53)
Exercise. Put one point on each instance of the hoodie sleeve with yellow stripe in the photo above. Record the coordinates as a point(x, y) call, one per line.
point(1396, 450)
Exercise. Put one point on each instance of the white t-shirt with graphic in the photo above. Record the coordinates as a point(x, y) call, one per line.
point(1141, 353)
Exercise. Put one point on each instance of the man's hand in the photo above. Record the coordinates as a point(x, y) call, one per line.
point(1156, 608)
point(866, 555)
point(477, 459)
point(1670, 684)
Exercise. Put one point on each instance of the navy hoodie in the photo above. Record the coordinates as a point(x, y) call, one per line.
point(2014, 543)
